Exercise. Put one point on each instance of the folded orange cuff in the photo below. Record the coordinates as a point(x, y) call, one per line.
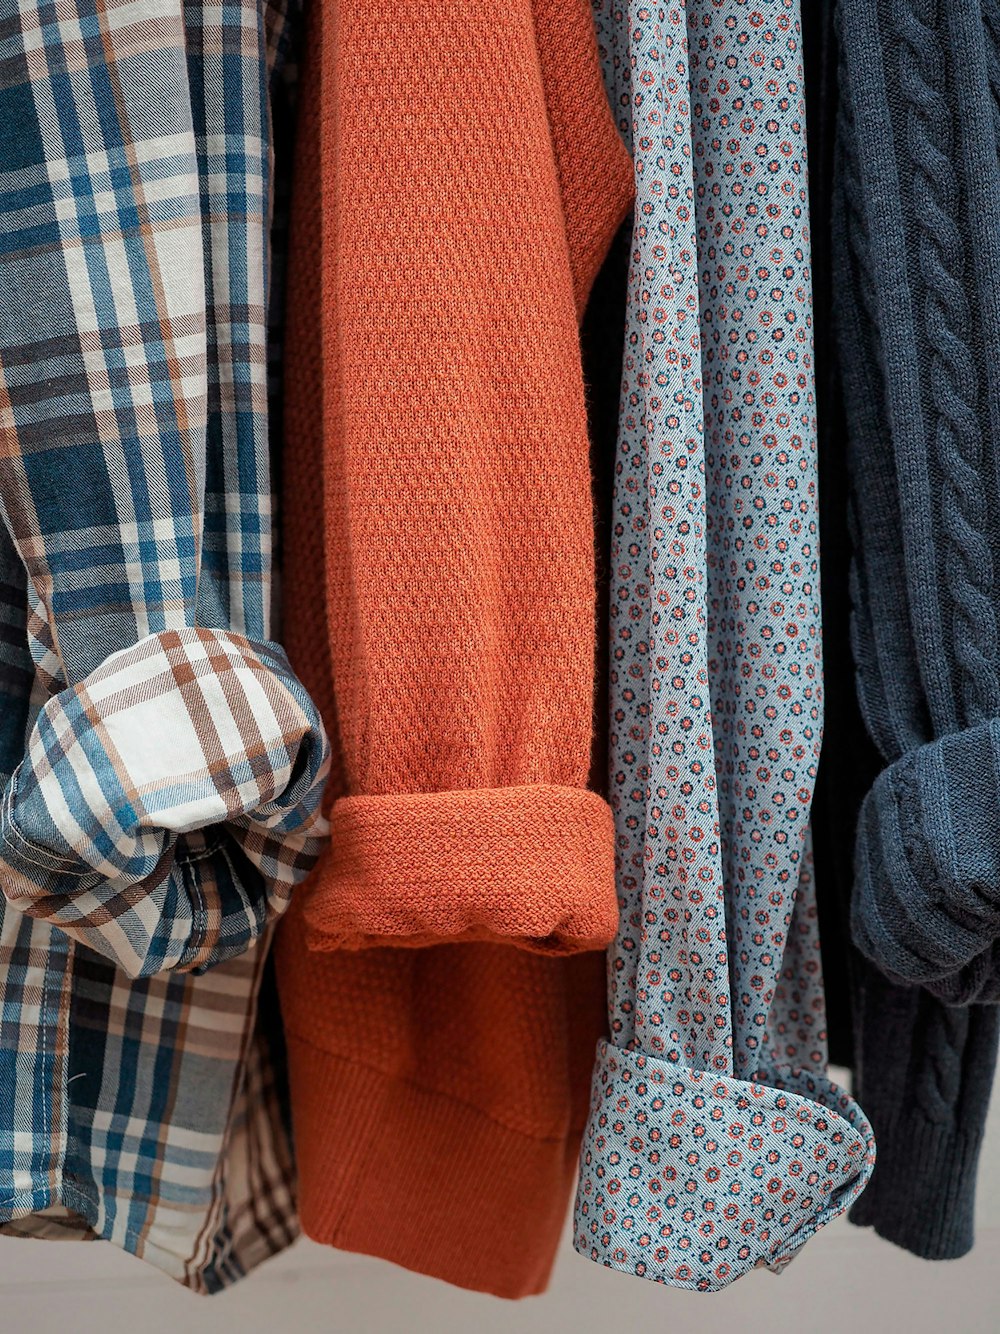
point(532, 866)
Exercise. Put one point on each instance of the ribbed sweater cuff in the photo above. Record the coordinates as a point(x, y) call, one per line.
point(922, 1194)
point(531, 866)
point(411, 1175)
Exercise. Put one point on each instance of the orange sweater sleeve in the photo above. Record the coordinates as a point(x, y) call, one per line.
point(458, 178)
point(470, 184)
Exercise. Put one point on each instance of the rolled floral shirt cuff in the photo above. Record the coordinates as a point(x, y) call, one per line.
point(693, 1179)
point(168, 802)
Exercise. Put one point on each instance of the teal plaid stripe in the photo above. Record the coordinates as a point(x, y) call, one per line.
point(136, 249)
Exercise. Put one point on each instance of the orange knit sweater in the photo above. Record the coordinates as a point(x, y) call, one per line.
point(459, 179)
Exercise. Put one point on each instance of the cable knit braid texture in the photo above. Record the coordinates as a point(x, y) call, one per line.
point(916, 272)
point(928, 884)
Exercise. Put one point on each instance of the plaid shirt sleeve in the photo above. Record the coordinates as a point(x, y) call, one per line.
point(169, 796)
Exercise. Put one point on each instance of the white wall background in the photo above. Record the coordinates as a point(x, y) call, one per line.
point(845, 1281)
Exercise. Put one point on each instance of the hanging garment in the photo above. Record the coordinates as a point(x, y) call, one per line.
point(163, 766)
point(716, 1142)
point(440, 608)
point(916, 251)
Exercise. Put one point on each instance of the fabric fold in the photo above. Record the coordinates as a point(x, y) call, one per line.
point(193, 732)
point(530, 865)
point(926, 905)
point(693, 1179)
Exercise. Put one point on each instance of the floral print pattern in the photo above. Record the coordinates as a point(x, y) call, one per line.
point(716, 1142)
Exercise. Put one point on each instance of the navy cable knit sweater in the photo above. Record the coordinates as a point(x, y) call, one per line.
point(916, 278)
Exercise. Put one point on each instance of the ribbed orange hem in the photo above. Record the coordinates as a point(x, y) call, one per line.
point(429, 1183)
point(530, 866)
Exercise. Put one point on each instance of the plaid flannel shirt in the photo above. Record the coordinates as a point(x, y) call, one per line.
point(164, 768)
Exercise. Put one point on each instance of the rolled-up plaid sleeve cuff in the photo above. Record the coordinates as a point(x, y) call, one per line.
point(168, 802)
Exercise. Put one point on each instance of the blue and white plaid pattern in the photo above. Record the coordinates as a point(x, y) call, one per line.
point(171, 800)
point(137, 1100)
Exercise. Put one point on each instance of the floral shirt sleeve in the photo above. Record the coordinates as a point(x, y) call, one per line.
point(716, 1142)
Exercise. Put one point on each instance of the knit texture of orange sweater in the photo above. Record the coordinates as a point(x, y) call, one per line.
point(459, 179)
